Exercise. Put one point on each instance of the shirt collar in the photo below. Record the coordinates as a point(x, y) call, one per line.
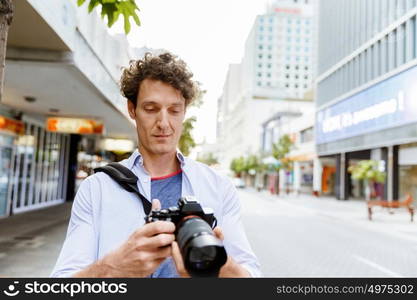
point(136, 158)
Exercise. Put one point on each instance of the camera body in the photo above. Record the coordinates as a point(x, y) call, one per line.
point(187, 206)
point(202, 252)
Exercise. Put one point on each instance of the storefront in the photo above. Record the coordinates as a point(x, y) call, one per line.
point(378, 123)
point(38, 173)
point(33, 166)
point(6, 150)
point(302, 173)
point(408, 169)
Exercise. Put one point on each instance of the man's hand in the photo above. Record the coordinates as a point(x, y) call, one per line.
point(140, 255)
point(229, 269)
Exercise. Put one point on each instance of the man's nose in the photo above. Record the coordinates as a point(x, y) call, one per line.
point(163, 122)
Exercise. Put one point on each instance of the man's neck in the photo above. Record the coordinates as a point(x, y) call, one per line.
point(159, 165)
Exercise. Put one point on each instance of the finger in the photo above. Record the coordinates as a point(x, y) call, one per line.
point(156, 204)
point(218, 233)
point(179, 263)
point(157, 227)
point(159, 240)
point(160, 253)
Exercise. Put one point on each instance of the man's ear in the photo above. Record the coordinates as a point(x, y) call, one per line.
point(131, 109)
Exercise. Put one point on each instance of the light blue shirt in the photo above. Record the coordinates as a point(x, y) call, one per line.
point(104, 215)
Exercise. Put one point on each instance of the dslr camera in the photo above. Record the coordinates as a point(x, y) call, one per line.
point(202, 252)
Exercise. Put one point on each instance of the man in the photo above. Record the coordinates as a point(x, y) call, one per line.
point(107, 235)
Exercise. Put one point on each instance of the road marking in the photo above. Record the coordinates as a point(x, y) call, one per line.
point(378, 267)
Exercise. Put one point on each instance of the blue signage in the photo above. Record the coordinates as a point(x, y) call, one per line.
point(390, 103)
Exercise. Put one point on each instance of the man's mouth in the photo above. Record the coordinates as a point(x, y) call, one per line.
point(162, 135)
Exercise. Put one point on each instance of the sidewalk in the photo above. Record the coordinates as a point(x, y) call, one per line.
point(355, 212)
point(30, 242)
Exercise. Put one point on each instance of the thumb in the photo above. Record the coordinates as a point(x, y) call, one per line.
point(156, 204)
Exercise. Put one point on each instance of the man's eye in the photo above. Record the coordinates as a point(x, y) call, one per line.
point(150, 109)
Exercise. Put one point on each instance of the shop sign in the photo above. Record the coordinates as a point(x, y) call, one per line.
point(294, 11)
point(11, 126)
point(303, 157)
point(118, 145)
point(76, 126)
point(388, 104)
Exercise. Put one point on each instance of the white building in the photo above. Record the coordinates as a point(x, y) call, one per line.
point(276, 71)
point(282, 49)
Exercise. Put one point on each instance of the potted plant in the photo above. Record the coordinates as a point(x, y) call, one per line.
point(369, 172)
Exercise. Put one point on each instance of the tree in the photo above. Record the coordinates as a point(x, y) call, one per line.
point(208, 159)
point(367, 171)
point(281, 149)
point(186, 142)
point(112, 9)
point(238, 165)
point(253, 164)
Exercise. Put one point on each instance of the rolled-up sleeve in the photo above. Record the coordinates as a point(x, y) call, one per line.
point(80, 246)
point(235, 241)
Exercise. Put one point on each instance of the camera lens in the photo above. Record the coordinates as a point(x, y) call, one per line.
point(202, 252)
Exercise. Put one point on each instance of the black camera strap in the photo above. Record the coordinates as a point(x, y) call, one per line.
point(126, 179)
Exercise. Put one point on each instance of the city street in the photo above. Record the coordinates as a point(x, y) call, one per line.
point(309, 237)
point(292, 237)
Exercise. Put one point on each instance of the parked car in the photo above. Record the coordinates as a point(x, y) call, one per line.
point(239, 183)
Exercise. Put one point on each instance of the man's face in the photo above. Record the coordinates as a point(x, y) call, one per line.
point(159, 115)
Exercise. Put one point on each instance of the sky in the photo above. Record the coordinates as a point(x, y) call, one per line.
point(207, 35)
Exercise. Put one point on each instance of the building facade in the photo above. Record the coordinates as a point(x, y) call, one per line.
point(277, 69)
point(283, 49)
point(365, 93)
point(61, 62)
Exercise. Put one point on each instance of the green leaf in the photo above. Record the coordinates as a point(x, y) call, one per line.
point(127, 24)
point(92, 5)
point(80, 2)
point(136, 18)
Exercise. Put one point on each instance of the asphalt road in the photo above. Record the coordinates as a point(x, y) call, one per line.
point(292, 237)
point(295, 239)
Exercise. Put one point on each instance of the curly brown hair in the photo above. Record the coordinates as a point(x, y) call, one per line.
point(165, 67)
